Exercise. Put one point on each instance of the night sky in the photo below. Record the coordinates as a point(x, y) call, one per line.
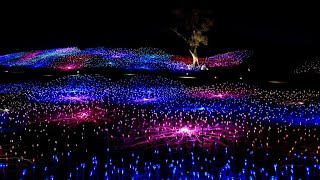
point(279, 34)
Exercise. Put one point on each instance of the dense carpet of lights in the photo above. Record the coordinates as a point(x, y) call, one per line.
point(147, 89)
point(149, 127)
point(71, 88)
point(229, 59)
point(149, 59)
point(222, 90)
point(309, 66)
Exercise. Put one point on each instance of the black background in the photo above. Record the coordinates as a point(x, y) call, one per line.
point(281, 35)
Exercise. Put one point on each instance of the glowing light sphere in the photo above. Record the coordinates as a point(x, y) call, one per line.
point(185, 130)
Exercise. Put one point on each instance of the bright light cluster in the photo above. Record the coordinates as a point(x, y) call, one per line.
point(151, 127)
point(177, 134)
point(158, 93)
point(66, 59)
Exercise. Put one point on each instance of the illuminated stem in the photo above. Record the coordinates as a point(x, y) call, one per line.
point(194, 57)
point(194, 53)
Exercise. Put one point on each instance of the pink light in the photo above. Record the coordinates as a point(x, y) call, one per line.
point(29, 55)
point(183, 135)
point(185, 130)
point(64, 68)
point(84, 115)
point(73, 118)
point(68, 67)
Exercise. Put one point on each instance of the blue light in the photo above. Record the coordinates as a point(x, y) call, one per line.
point(24, 171)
